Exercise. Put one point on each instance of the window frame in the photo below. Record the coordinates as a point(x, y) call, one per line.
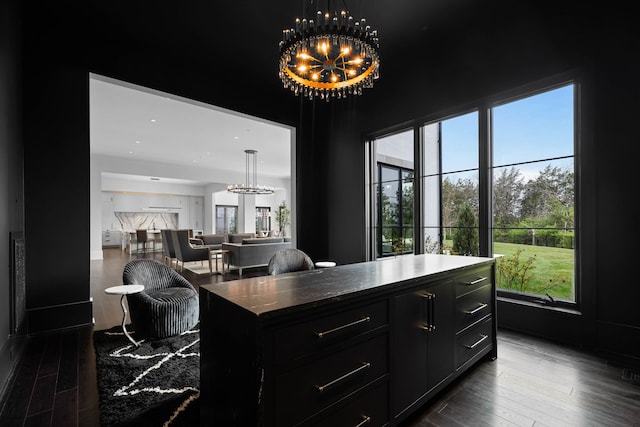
point(485, 180)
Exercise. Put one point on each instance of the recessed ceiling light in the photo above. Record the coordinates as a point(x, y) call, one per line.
point(137, 142)
point(153, 120)
point(236, 137)
point(155, 179)
point(130, 152)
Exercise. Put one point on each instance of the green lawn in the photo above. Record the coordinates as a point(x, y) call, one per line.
point(552, 270)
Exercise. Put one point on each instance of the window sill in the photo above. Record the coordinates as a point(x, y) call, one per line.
point(540, 305)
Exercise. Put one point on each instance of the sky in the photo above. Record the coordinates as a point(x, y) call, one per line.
point(535, 128)
point(538, 127)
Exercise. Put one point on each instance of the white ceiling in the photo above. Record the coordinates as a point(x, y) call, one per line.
point(132, 122)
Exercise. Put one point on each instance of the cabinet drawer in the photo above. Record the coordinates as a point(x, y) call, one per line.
point(473, 341)
point(370, 409)
point(307, 390)
point(308, 337)
point(472, 307)
point(472, 281)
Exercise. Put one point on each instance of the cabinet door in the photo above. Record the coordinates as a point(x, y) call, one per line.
point(423, 343)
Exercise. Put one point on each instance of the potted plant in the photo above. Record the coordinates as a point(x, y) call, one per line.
point(282, 216)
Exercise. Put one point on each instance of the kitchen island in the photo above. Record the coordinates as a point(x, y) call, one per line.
point(361, 343)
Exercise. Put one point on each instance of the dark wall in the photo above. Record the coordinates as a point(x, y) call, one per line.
point(499, 46)
point(11, 182)
point(473, 65)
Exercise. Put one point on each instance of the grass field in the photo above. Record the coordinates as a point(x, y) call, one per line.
point(552, 271)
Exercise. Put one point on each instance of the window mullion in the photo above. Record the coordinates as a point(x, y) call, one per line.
point(485, 181)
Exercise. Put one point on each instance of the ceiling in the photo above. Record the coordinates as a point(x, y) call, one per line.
point(235, 45)
point(132, 122)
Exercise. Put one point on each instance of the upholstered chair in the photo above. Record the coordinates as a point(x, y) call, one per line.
point(167, 306)
point(289, 260)
point(167, 248)
point(186, 252)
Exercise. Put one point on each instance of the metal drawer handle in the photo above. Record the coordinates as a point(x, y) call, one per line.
point(321, 335)
point(472, 346)
point(475, 282)
point(365, 420)
point(322, 388)
point(482, 306)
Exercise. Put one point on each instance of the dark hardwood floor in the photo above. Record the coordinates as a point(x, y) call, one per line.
point(533, 382)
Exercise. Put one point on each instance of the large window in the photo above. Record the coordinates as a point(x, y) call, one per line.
point(226, 219)
point(393, 231)
point(533, 195)
point(263, 219)
point(496, 181)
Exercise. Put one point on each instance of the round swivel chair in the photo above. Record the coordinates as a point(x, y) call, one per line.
point(167, 306)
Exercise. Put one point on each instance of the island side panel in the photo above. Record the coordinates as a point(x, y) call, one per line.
point(231, 380)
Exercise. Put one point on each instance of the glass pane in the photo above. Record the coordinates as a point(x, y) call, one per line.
point(390, 203)
point(533, 201)
point(460, 143)
point(396, 150)
point(534, 128)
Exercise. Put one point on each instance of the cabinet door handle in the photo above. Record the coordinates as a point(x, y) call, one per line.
point(475, 310)
point(321, 335)
point(365, 420)
point(321, 388)
point(472, 346)
point(475, 282)
point(431, 318)
point(427, 327)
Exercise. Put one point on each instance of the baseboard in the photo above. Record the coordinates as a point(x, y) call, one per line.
point(52, 318)
point(10, 355)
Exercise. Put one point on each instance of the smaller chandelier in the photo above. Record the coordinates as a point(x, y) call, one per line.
point(250, 186)
point(331, 57)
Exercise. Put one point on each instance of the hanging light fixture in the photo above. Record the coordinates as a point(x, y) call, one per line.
point(250, 186)
point(333, 56)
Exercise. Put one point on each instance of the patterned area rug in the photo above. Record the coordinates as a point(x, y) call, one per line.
point(155, 384)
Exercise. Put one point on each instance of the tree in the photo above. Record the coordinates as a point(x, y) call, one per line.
point(552, 187)
point(282, 216)
point(465, 236)
point(507, 190)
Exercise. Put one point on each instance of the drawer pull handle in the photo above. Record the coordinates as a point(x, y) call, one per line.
point(321, 388)
point(475, 310)
point(365, 420)
point(321, 335)
point(475, 282)
point(472, 346)
point(428, 295)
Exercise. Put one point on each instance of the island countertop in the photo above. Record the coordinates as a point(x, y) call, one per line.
point(267, 296)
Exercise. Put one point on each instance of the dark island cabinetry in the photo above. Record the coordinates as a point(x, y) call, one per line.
point(356, 345)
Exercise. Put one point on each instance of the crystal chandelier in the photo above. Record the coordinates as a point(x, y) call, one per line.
point(250, 186)
point(331, 57)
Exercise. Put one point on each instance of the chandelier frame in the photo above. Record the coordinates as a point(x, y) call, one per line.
point(333, 56)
